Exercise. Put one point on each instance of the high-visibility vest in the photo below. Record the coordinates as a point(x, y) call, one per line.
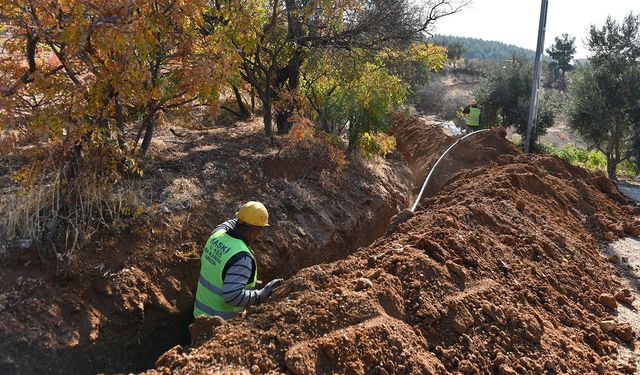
point(217, 251)
point(473, 117)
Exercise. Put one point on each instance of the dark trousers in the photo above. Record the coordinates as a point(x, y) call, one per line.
point(470, 129)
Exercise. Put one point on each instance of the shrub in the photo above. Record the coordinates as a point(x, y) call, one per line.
point(376, 144)
point(593, 160)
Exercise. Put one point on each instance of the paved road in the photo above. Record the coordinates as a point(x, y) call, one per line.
point(630, 190)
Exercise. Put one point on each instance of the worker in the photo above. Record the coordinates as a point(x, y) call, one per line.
point(472, 116)
point(228, 272)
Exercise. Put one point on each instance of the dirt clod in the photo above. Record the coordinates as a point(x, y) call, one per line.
point(608, 300)
point(625, 333)
point(363, 283)
point(456, 268)
point(625, 296)
point(608, 325)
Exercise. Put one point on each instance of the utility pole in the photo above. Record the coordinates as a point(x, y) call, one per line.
point(535, 85)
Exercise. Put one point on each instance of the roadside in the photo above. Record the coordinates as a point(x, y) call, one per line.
point(629, 189)
point(624, 254)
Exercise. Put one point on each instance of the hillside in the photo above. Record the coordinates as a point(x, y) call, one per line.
point(483, 49)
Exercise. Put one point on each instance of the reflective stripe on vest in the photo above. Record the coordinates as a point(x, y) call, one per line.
point(200, 308)
point(473, 117)
point(219, 249)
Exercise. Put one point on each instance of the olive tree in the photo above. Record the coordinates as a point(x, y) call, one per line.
point(605, 104)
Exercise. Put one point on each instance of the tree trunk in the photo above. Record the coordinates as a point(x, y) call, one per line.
point(150, 123)
point(266, 115)
point(611, 168)
point(242, 108)
point(253, 100)
point(288, 77)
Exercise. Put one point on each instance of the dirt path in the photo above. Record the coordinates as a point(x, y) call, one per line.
point(625, 256)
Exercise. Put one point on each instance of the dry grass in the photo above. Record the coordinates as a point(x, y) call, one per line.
point(57, 221)
point(302, 193)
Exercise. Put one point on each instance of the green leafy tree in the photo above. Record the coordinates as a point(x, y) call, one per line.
point(455, 52)
point(356, 93)
point(505, 96)
point(604, 107)
point(562, 51)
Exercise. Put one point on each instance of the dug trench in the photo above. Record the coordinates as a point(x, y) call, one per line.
point(127, 297)
point(498, 272)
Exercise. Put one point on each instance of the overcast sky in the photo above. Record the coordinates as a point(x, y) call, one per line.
point(516, 21)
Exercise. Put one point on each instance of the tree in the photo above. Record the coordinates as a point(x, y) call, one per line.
point(562, 51)
point(293, 30)
point(356, 92)
point(455, 52)
point(604, 108)
point(81, 77)
point(504, 98)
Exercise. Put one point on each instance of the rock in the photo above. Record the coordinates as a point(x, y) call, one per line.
point(609, 236)
point(520, 205)
point(550, 365)
point(462, 320)
point(203, 327)
point(614, 259)
point(608, 325)
point(608, 300)
point(494, 312)
point(500, 359)
point(625, 296)
point(363, 283)
point(505, 369)
point(171, 357)
point(625, 259)
point(625, 332)
point(594, 342)
point(255, 369)
point(456, 269)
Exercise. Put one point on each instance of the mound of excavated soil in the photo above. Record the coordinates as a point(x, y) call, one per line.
point(128, 295)
point(421, 141)
point(498, 273)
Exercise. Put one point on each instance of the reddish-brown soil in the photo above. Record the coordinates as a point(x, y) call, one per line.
point(500, 272)
point(421, 142)
point(127, 296)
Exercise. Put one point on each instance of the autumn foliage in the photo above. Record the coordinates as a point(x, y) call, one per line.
point(87, 82)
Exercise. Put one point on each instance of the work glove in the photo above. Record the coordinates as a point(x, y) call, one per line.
point(265, 292)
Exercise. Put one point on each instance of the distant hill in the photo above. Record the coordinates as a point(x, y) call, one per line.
point(484, 49)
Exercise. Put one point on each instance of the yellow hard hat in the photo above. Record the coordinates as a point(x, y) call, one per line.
point(253, 213)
